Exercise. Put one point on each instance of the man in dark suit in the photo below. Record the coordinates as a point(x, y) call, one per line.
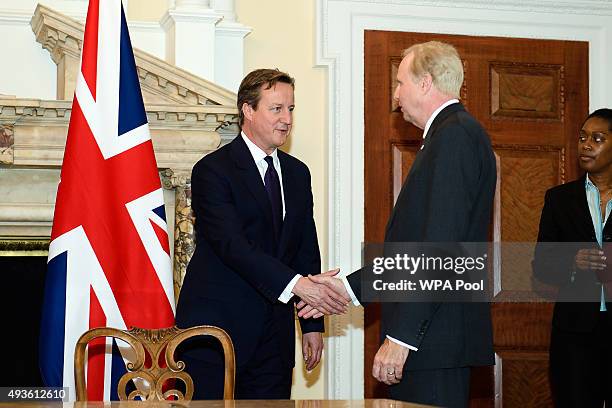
point(429, 347)
point(255, 242)
point(571, 254)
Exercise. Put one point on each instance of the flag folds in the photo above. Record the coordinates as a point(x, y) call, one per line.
point(109, 257)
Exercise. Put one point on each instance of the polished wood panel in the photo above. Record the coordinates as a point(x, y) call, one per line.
point(403, 157)
point(520, 90)
point(517, 88)
point(394, 64)
point(527, 332)
point(526, 172)
point(529, 372)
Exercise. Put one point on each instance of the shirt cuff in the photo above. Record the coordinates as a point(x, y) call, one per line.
point(401, 343)
point(347, 286)
point(287, 293)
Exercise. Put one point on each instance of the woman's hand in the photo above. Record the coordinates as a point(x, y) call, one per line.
point(590, 259)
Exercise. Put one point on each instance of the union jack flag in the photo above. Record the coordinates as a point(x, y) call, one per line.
point(109, 257)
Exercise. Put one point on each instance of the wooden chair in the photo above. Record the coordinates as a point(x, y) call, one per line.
point(155, 342)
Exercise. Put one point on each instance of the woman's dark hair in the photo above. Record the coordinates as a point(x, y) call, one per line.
point(604, 113)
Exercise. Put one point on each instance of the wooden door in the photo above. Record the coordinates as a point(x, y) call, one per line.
point(531, 96)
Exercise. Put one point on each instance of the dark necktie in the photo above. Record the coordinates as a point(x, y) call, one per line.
point(273, 189)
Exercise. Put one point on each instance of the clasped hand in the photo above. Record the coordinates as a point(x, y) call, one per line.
point(327, 283)
point(321, 295)
point(590, 259)
point(390, 357)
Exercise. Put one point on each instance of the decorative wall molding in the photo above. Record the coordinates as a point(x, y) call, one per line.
point(206, 117)
point(222, 40)
point(229, 53)
point(22, 9)
point(7, 141)
point(181, 26)
point(12, 17)
point(181, 134)
point(26, 202)
point(61, 35)
point(594, 7)
point(184, 233)
point(340, 31)
point(227, 8)
point(21, 245)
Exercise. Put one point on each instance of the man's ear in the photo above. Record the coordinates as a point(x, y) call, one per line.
point(247, 111)
point(426, 83)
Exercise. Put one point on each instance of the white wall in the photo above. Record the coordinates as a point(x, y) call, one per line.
point(27, 70)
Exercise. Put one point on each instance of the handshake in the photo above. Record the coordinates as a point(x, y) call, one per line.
point(320, 295)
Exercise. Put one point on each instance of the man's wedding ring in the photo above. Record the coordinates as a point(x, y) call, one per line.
point(390, 372)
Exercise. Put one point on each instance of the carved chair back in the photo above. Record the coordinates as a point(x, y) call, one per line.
point(154, 342)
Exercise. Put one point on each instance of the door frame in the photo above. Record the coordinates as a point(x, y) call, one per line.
point(340, 30)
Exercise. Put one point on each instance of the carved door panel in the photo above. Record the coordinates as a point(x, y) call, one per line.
point(531, 96)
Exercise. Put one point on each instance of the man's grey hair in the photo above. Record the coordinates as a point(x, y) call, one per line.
point(441, 61)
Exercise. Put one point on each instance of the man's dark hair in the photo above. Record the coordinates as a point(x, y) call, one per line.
point(604, 113)
point(252, 84)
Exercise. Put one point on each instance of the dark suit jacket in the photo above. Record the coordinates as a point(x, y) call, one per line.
point(237, 271)
point(447, 197)
point(566, 219)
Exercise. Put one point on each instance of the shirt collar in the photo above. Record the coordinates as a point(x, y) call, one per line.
point(435, 113)
point(587, 182)
point(256, 152)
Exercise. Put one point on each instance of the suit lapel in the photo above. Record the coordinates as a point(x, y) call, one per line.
point(291, 192)
point(250, 175)
point(581, 207)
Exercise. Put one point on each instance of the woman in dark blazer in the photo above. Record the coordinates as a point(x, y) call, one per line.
point(575, 217)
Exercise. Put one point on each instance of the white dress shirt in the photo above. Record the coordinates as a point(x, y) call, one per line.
point(259, 157)
point(593, 200)
point(344, 280)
